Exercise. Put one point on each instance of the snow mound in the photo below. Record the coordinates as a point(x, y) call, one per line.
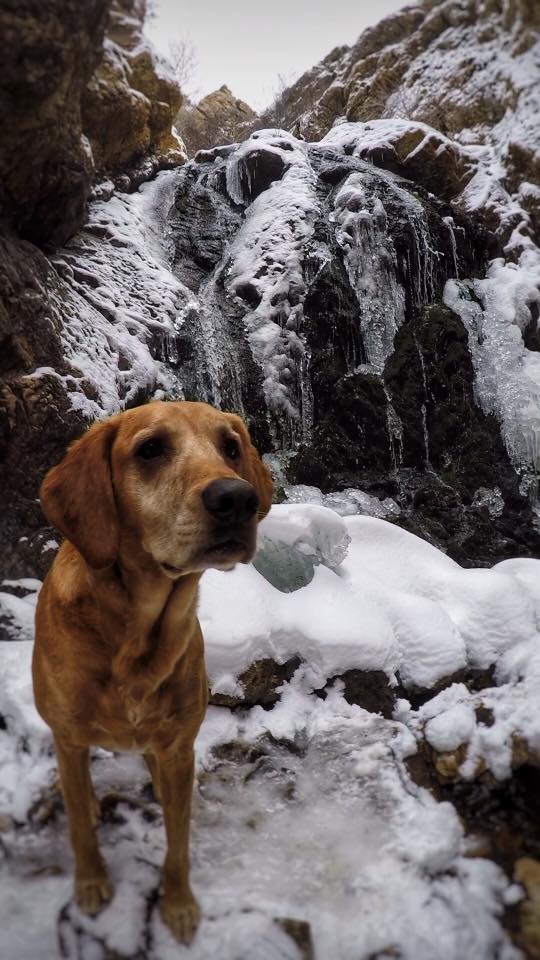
point(394, 603)
point(25, 742)
point(17, 613)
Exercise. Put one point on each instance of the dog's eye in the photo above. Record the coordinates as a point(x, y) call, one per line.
point(151, 449)
point(231, 449)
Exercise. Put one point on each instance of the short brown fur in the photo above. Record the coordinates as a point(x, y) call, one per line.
point(119, 659)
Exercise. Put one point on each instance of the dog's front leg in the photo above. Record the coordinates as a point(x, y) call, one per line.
point(92, 887)
point(178, 907)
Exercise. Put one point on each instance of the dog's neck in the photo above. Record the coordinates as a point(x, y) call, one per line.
point(155, 616)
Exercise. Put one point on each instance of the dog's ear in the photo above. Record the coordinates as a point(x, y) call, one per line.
point(257, 472)
point(77, 496)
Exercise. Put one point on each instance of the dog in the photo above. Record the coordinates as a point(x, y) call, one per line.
point(147, 501)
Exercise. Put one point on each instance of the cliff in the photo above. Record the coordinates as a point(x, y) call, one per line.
point(82, 97)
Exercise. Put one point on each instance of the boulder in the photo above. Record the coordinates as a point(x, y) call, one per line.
point(217, 118)
point(130, 103)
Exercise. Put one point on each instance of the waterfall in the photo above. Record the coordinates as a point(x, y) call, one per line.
point(219, 372)
point(394, 428)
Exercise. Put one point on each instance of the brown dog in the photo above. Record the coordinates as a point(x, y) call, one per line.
point(147, 500)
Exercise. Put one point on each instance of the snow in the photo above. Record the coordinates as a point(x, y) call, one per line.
point(335, 835)
point(326, 825)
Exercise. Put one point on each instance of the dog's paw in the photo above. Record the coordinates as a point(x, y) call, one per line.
point(181, 917)
point(93, 894)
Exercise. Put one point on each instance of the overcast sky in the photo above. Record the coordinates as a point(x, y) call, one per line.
point(247, 44)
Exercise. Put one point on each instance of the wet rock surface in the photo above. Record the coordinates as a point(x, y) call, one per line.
point(260, 684)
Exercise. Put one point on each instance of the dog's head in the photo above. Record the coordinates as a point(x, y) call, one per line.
point(179, 481)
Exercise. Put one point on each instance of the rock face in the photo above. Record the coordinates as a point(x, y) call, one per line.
point(74, 108)
point(129, 105)
point(35, 417)
point(219, 117)
point(61, 98)
point(49, 52)
point(460, 67)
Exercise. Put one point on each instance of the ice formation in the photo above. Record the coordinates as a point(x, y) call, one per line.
point(266, 256)
point(361, 230)
point(496, 312)
point(345, 502)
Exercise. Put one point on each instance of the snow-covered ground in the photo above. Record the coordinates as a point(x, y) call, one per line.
point(306, 811)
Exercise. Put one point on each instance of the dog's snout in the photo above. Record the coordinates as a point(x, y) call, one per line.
point(230, 501)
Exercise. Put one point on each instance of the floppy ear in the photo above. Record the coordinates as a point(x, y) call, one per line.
point(77, 496)
point(258, 473)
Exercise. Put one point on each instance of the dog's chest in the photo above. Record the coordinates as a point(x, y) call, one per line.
point(124, 723)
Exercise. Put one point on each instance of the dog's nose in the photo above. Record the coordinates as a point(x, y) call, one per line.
point(230, 501)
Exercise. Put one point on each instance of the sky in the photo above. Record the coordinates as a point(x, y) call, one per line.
point(248, 45)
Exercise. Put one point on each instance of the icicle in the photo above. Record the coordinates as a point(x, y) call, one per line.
point(233, 180)
point(306, 398)
point(449, 221)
